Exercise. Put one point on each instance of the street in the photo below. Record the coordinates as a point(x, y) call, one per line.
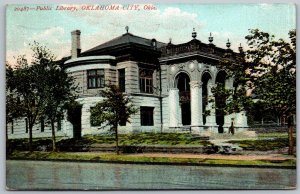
point(48, 175)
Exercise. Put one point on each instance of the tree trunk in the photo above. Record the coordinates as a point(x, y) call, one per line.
point(30, 137)
point(291, 141)
point(53, 137)
point(117, 139)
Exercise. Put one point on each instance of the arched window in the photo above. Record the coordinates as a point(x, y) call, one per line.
point(182, 82)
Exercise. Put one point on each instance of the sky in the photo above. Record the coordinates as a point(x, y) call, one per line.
point(52, 28)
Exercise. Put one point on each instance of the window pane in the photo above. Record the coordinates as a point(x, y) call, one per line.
point(122, 79)
point(95, 78)
point(147, 116)
point(98, 82)
point(93, 82)
point(102, 82)
point(146, 80)
point(91, 72)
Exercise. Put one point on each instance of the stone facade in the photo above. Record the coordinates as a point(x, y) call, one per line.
point(169, 84)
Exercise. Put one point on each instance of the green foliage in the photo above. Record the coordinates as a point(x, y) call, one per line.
point(59, 89)
point(149, 139)
point(267, 71)
point(113, 109)
point(22, 144)
point(272, 71)
point(40, 89)
point(14, 109)
point(232, 100)
point(263, 144)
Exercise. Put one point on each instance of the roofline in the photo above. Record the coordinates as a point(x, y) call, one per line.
point(91, 50)
point(122, 46)
point(89, 59)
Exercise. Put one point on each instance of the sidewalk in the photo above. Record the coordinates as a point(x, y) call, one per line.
point(270, 157)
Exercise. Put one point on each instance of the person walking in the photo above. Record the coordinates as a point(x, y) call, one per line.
point(231, 128)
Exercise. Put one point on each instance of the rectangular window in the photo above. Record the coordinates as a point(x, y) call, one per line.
point(147, 116)
point(42, 125)
point(58, 123)
point(146, 80)
point(12, 127)
point(26, 125)
point(95, 78)
point(122, 79)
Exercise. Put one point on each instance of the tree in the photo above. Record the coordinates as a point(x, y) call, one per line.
point(11, 101)
point(59, 90)
point(232, 100)
point(27, 87)
point(41, 87)
point(13, 107)
point(114, 109)
point(268, 70)
point(272, 69)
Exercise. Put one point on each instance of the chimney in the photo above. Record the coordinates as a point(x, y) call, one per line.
point(75, 51)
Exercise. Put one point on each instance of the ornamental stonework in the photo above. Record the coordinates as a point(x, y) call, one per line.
point(195, 84)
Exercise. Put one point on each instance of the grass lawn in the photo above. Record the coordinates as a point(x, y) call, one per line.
point(148, 139)
point(273, 135)
point(109, 157)
point(265, 142)
point(140, 139)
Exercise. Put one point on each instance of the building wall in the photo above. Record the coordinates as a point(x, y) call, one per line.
point(147, 101)
point(86, 127)
point(90, 97)
point(131, 75)
point(81, 80)
point(19, 130)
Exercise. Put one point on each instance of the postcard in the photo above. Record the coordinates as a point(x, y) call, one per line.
point(150, 96)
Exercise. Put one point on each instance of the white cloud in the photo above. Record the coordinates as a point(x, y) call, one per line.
point(162, 25)
point(51, 38)
point(171, 22)
point(52, 35)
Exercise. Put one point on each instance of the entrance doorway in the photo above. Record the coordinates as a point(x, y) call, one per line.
point(183, 85)
point(74, 116)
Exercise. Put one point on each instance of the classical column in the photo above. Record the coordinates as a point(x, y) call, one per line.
point(174, 109)
point(211, 118)
point(196, 106)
